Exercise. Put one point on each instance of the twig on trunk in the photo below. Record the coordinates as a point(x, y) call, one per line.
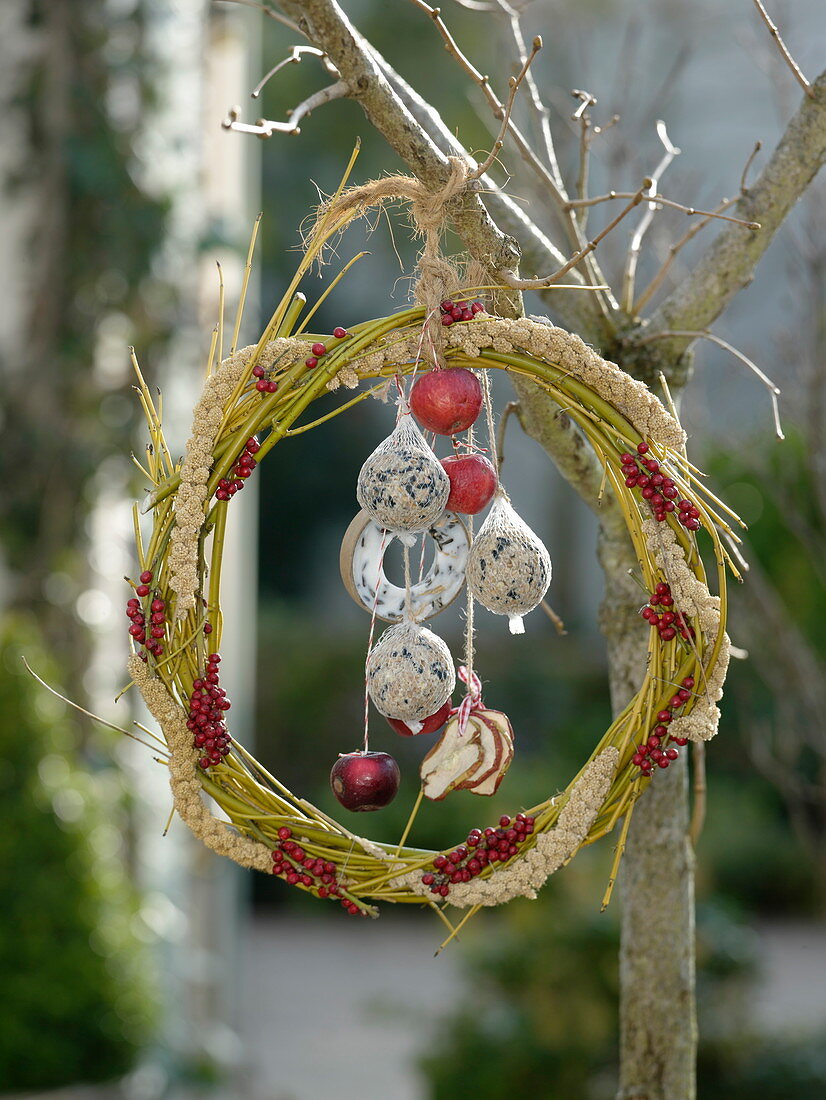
point(784, 50)
point(725, 204)
point(633, 255)
point(774, 391)
point(271, 13)
point(583, 117)
point(555, 619)
point(691, 211)
point(540, 110)
point(266, 127)
point(537, 284)
point(295, 56)
point(505, 115)
point(508, 411)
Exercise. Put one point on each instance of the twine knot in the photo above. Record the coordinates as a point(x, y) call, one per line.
point(472, 700)
point(436, 276)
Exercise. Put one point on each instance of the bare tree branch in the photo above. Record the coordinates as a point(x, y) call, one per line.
point(784, 50)
point(266, 127)
point(729, 262)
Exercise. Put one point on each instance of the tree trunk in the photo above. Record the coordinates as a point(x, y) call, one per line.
point(658, 1028)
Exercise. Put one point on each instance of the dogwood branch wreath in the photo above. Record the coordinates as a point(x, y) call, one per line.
point(258, 396)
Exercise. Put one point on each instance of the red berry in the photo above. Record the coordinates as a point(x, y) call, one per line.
point(688, 682)
point(319, 350)
point(261, 385)
point(447, 305)
point(146, 577)
point(504, 821)
point(626, 459)
point(142, 589)
point(340, 333)
point(664, 716)
point(642, 448)
point(311, 362)
point(672, 754)
point(447, 319)
point(446, 401)
point(258, 371)
point(272, 387)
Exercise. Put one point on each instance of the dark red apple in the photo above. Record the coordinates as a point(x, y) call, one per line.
point(472, 483)
point(430, 725)
point(446, 401)
point(365, 780)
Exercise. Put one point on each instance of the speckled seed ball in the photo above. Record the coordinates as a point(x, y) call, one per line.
point(409, 673)
point(508, 569)
point(402, 485)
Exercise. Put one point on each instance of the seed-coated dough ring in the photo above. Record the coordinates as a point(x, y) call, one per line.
point(362, 570)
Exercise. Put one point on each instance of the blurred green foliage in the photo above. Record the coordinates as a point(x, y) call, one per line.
point(76, 1006)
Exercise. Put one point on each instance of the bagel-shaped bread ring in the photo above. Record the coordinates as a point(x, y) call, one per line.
point(362, 569)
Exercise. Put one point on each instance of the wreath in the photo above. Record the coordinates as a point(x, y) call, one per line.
point(255, 398)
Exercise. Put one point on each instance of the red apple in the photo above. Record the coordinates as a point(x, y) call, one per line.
point(472, 483)
point(446, 401)
point(365, 780)
point(429, 725)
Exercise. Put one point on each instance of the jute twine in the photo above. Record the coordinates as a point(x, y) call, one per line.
point(436, 277)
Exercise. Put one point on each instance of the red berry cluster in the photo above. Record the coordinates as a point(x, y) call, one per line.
point(147, 634)
point(652, 752)
point(290, 861)
point(458, 311)
point(229, 486)
point(207, 705)
point(481, 848)
point(669, 622)
point(319, 350)
point(263, 383)
point(657, 488)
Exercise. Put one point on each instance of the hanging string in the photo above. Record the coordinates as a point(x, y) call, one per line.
point(494, 457)
point(408, 595)
point(370, 645)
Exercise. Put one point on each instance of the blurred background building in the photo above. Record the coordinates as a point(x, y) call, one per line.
point(135, 964)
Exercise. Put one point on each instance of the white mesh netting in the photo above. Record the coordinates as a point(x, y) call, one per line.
point(409, 672)
point(508, 569)
point(402, 484)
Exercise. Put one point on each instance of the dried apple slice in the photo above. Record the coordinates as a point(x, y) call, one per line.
point(450, 761)
point(499, 724)
point(492, 751)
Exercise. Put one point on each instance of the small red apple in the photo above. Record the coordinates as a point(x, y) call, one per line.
point(429, 725)
point(472, 483)
point(446, 401)
point(365, 780)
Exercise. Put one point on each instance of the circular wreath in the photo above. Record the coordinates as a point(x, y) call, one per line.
point(254, 399)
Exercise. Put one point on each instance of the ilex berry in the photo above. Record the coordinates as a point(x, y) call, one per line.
point(148, 617)
point(459, 311)
point(246, 463)
point(493, 845)
point(653, 752)
point(207, 705)
point(669, 622)
point(291, 863)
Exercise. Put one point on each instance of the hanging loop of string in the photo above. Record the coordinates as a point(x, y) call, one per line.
point(436, 276)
